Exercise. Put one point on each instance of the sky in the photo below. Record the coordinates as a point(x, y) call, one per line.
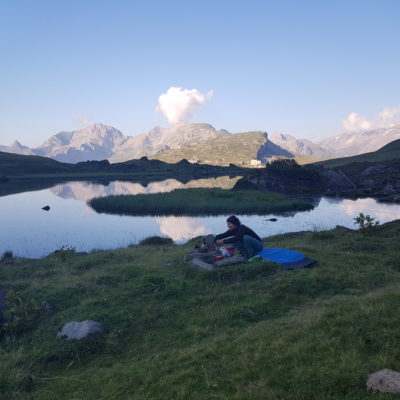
point(311, 69)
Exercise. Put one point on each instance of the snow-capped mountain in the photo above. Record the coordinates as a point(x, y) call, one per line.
point(354, 143)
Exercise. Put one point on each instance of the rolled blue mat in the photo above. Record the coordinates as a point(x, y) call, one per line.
point(287, 259)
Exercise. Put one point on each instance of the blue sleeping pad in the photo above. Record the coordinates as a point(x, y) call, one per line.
point(287, 259)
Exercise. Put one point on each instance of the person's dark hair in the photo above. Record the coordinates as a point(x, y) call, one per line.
point(233, 220)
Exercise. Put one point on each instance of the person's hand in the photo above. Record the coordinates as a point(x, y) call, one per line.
point(219, 241)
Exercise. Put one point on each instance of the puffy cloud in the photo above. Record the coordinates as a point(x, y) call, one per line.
point(179, 104)
point(388, 115)
point(355, 123)
point(386, 118)
point(85, 120)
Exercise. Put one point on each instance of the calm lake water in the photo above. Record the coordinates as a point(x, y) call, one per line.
point(29, 231)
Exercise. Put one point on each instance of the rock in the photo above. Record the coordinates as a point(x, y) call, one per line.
point(46, 208)
point(236, 259)
point(385, 381)
point(197, 263)
point(80, 330)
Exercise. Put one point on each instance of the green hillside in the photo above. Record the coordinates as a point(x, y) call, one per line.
point(15, 164)
point(236, 148)
point(244, 332)
point(389, 152)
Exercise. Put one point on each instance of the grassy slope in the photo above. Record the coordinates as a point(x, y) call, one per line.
point(389, 152)
point(199, 201)
point(223, 150)
point(245, 332)
point(14, 164)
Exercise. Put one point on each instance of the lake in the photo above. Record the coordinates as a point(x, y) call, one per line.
point(29, 231)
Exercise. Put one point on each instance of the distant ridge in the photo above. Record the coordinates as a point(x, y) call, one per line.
point(201, 142)
point(390, 151)
point(354, 143)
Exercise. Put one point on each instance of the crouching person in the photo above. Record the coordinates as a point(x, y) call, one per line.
point(241, 237)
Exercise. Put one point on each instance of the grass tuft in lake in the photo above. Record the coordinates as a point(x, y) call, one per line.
point(200, 201)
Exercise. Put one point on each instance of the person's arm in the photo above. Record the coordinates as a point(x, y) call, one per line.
point(220, 238)
point(233, 236)
point(223, 235)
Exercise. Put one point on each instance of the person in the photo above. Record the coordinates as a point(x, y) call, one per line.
point(241, 237)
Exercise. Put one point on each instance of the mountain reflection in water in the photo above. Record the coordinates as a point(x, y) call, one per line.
point(85, 191)
point(28, 231)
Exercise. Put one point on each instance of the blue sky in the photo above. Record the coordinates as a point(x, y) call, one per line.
point(298, 67)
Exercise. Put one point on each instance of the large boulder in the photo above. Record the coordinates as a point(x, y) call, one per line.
point(385, 381)
point(80, 330)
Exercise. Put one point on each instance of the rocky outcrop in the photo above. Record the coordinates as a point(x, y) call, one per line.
point(288, 179)
point(382, 182)
point(336, 182)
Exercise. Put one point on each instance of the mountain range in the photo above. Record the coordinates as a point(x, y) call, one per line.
point(201, 143)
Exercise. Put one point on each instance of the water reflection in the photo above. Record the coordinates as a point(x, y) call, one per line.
point(85, 191)
point(28, 231)
point(181, 228)
point(371, 207)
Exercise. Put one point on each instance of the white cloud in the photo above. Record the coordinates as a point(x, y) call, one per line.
point(388, 115)
point(85, 120)
point(178, 104)
point(386, 118)
point(355, 123)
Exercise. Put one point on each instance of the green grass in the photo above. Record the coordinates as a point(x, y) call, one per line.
point(389, 152)
point(250, 331)
point(199, 201)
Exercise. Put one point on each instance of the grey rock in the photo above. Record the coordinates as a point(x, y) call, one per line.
point(384, 381)
point(200, 264)
point(236, 259)
point(80, 330)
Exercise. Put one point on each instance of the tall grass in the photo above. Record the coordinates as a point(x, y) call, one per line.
point(249, 331)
